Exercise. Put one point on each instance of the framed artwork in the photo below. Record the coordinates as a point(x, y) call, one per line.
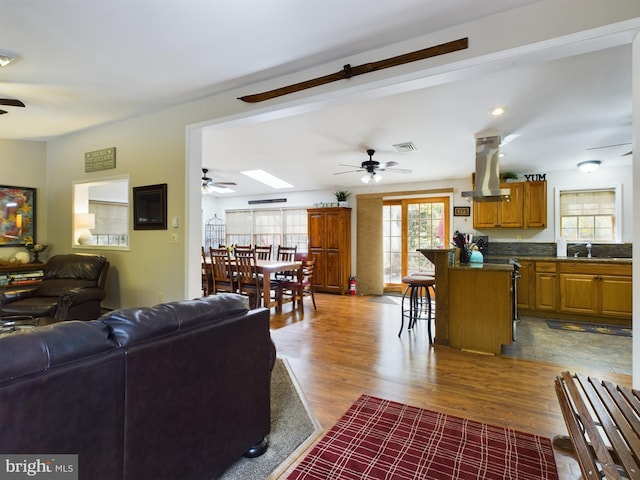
point(17, 216)
point(461, 211)
point(150, 207)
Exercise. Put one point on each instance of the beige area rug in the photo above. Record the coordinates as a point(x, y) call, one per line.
point(294, 428)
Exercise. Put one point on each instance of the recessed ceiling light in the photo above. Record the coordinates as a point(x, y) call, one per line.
point(266, 178)
point(497, 111)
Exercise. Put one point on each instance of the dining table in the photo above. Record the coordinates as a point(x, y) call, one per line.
point(268, 267)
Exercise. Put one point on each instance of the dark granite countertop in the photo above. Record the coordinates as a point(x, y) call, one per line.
point(541, 258)
point(483, 266)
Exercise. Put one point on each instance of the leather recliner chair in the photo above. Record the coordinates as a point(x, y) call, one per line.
point(71, 289)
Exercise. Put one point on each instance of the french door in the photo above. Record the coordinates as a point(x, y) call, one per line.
point(410, 224)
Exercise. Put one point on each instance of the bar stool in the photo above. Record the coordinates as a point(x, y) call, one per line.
point(418, 290)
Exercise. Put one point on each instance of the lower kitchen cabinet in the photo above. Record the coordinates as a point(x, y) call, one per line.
point(584, 290)
point(546, 287)
point(596, 289)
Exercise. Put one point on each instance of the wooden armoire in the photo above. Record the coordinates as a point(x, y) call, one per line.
point(330, 242)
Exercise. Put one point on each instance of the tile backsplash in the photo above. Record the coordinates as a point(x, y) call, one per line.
point(535, 249)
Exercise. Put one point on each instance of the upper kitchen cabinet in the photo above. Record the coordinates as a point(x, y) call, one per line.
point(505, 214)
point(526, 209)
point(535, 204)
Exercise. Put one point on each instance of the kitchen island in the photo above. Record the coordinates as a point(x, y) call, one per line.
point(474, 309)
point(480, 307)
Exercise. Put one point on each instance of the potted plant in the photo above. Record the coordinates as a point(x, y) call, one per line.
point(508, 176)
point(342, 196)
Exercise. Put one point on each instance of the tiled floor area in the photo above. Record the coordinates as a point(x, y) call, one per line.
point(536, 341)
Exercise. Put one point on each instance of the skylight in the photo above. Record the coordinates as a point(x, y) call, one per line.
point(266, 178)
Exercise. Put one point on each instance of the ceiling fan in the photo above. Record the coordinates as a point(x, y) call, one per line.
point(10, 102)
point(372, 167)
point(208, 182)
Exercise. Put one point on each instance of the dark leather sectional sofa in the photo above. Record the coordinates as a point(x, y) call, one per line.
point(177, 391)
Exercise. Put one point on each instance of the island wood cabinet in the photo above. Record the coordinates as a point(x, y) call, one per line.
point(329, 232)
point(604, 290)
point(480, 310)
point(527, 208)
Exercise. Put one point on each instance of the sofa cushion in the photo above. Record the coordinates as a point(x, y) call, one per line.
point(129, 326)
point(214, 308)
point(132, 325)
point(41, 348)
point(32, 306)
point(61, 286)
point(78, 266)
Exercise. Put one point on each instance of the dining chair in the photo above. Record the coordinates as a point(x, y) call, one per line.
point(263, 252)
point(286, 254)
point(302, 286)
point(247, 276)
point(242, 247)
point(222, 271)
point(207, 276)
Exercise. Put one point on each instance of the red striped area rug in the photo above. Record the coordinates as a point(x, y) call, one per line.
point(381, 439)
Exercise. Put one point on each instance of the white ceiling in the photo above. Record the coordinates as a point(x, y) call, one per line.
point(83, 63)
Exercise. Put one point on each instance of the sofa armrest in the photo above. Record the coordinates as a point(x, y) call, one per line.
point(10, 296)
point(77, 296)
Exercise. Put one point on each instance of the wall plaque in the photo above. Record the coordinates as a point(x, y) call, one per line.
point(461, 211)
point(100, 159)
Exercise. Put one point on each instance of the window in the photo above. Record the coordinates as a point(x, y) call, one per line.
point(588, 215)
point(287, 227)
point(101, 214)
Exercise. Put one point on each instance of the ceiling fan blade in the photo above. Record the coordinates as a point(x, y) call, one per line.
point(352, 166)
point(349, 171)
point(223, 184)
point(2, 112)
point(391, 163)
point(608, 146)
point(398, 170)
point(11, 102)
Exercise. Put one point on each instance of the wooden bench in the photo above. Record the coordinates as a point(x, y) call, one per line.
point(603, 421)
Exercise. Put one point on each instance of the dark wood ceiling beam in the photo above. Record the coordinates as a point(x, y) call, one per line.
point(348, 71)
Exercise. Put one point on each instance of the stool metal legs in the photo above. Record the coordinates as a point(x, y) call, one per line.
point(419, 299)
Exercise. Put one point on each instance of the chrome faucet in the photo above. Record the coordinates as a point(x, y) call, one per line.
point(588, 249)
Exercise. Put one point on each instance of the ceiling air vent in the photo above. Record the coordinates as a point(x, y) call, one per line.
point(405, 147)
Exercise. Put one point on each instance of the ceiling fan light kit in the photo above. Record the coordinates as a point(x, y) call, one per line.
point(368, 177)
point(589, 166)
point(372, 167)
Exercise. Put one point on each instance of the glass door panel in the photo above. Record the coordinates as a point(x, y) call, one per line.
point(409, 225)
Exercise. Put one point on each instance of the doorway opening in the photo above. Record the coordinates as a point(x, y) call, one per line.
point(408, 225)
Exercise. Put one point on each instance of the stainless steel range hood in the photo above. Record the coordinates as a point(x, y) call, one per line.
point(487, 178)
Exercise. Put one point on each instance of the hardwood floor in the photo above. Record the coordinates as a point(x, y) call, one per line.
point(350, 346)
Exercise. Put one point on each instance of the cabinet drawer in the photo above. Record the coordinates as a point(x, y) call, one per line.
point(591, 268)
point(545, 266)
